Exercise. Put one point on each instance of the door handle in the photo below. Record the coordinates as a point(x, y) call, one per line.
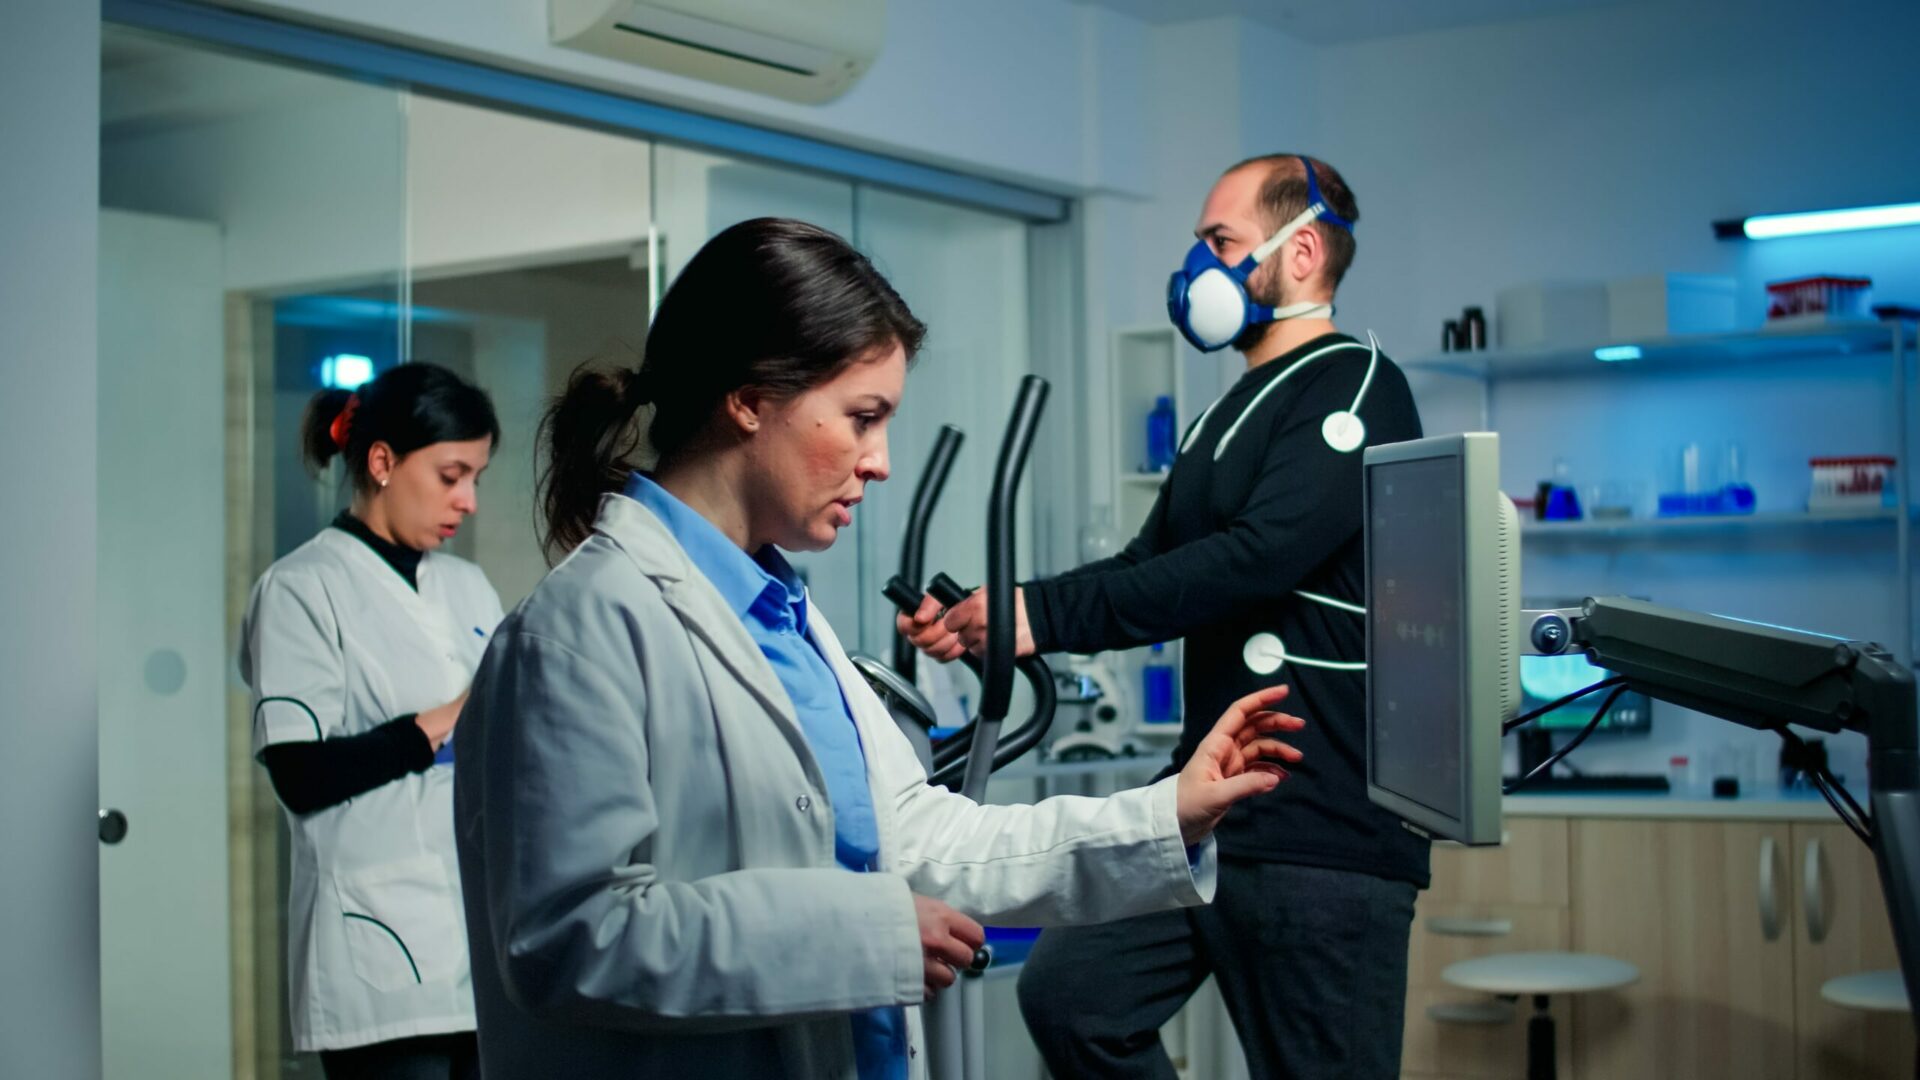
point(113, 826)
point(1813, 894)
point(1769, 891)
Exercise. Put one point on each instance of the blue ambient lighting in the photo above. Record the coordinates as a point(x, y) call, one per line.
point(346, 371)
point(1770, 226)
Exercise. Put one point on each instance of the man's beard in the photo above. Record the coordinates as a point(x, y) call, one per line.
point(1262, 288)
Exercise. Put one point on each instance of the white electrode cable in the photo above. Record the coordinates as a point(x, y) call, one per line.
point(1197, 425)
point(1265, 654)
point(1330, 602)
point(1269, 388)
point(1344, 431)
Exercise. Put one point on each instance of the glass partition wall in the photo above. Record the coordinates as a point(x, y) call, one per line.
point(267, 230)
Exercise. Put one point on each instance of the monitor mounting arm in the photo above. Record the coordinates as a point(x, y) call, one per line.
point(1770, 677)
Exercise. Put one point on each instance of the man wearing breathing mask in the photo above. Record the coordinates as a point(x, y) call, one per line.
point(1253, 554)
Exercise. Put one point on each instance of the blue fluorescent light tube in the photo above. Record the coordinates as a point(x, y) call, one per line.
point(1615, 353)
point(1770, 226)
point(346, 371)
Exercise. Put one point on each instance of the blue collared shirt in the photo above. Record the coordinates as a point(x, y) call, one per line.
point(766, 593)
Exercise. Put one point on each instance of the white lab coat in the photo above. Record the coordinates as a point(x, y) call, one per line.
point(648, 850)
point(336, 643)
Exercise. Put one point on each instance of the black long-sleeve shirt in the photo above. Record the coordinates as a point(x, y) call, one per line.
point(311, 776)
point(1224, 555)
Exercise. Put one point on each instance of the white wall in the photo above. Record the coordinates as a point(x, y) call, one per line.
point(49, 890)
point(1601, 144)
point(1177, 104)
point(310, 191)
point(488, 188)
point(338, 183)
point(991, 86)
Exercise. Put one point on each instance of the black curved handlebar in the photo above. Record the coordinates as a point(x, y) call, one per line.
point(913, 545)
point(970, 754)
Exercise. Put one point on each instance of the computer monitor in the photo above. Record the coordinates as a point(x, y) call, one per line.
point(1546, 679)
point(1443, 632)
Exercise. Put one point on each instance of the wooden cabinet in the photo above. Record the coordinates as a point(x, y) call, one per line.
point(1735, 925)
point(1704, 910)
point(1839, 928)
point(1511, 898)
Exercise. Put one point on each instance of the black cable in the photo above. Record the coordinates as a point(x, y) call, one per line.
point(1858, 811)
point(1541, 769)
point(1820, 784)
point(1851, 815)
point(1529, 717)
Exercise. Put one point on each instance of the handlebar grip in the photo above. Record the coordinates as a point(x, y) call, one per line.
point(903, 594)
point(946, 590)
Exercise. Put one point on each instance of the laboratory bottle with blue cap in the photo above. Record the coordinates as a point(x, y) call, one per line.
point(1156, 677)
point(1162, 435)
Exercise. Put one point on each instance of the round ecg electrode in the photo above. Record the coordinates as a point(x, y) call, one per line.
point(1344, 431)
point(1264, 654)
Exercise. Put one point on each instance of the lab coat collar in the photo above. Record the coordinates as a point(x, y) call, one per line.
point(761, 587)
point(641, 535)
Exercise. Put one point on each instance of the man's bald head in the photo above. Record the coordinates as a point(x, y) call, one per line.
point(1283, 195)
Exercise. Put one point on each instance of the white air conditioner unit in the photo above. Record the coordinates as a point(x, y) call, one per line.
point(802, 50)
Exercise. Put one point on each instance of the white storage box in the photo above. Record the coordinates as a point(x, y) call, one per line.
point(1665, 305)
point(1550, 313)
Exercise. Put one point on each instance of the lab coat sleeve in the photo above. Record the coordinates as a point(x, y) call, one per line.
point(1060, 861)
point(1303, 504)
point(291, 658)
point(584, 929)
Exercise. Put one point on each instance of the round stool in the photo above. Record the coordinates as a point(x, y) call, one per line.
point(1869, 991)
point(1541, 975)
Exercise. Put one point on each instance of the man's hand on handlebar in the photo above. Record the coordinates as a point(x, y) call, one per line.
point(963, 627)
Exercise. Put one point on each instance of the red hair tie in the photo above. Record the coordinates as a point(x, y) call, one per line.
point(343, 424)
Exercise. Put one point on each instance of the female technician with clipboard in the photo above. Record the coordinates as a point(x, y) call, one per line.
point(359, 646)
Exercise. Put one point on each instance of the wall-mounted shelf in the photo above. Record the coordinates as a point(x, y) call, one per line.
point(1146, 366)
point(1692, 352)
point(1689, 526)
point(1890, 343)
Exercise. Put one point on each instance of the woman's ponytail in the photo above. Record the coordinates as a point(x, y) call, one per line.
point(318, 426)
point(591, 440)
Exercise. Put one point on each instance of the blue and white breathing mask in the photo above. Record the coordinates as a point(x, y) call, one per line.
point(1208, 300)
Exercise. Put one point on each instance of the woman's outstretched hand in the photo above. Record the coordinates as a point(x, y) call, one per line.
point(1238, 759)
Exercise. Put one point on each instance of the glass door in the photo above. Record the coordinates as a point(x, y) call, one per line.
point(251, 245)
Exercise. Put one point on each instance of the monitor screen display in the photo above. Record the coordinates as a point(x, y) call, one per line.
point(1415, 630)
point(1546, 679)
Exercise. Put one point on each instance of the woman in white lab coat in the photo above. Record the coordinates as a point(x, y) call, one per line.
point(693, 842)
point(359, 647)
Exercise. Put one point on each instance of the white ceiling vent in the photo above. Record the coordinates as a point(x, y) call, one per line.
point(801, 50)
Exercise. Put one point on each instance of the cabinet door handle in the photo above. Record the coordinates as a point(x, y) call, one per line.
point(1814, 894)
point(1466, 926)
point(1769, 893)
